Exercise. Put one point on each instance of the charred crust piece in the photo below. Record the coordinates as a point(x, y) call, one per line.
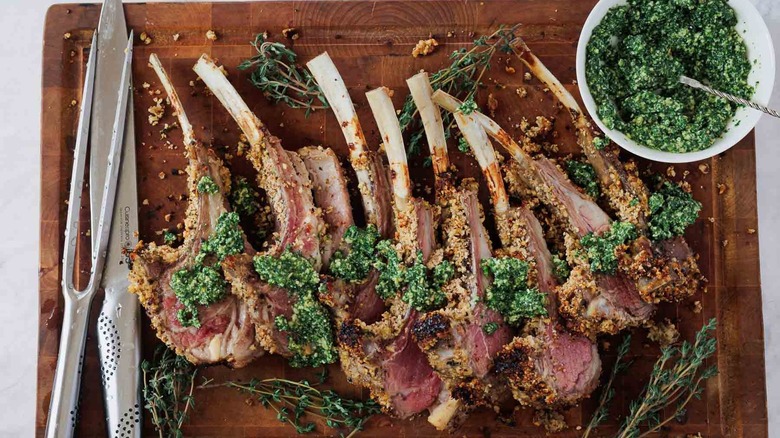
point(349, 336)
point(429, 329)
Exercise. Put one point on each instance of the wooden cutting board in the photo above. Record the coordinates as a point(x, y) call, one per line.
point(371, 43)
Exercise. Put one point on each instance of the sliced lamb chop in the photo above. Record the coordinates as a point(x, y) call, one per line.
point(372, 178)
point(330, 194)
point(547, 367)
point(453, 337)
point(660, 274)
point(224, 332)
point(591, 303)
point(284, 178)
point(382, 356)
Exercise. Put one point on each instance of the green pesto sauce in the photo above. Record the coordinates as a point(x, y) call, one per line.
point(391, 270)
point(602, 250)
point(169, 238)
point(561, 268)
point(203, 283)
point(636, 55)
point(207, 185)
point(490, 328)
point(468, 106)
point(227, 238)
point(672, 210)
point(310, 335)
point(463, 145)
point(423, 288)
point(510, 294)
point(600, 142)
point(243, 197)
point(355, 265)
point(584, 176)
point(200, 285)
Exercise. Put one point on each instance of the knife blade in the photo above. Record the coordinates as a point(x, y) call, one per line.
point(119, 338)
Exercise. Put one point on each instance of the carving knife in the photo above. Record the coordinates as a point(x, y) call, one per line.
point(118, 328)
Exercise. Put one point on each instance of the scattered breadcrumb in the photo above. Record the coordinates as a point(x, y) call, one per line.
point(664, 333)
point(211, 35)
point(521, 91)
point(722, 188)
point(243, 145)
point(751, 231)
point(711, 219)
point(553, 421)
point(424, 47)
point(670, 172)
point(145, 38)
point(291, 33)
point(168, 217)
point(145, 85)
point(527, 76)
point(686, 186)
point(67, 35)
point(73, 102)
point(492, 104)
point(156, 111)
point(145, 201)
point(704, 168)
point(725, 242)
point(176, 37)
point(509, 69)
point(161, 175)
point(696, 307)
point(543, 126)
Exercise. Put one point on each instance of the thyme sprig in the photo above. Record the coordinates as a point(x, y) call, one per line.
point(676, 379)
point(462, 78)
point(608, 392)
point(296, 403)
point(277, 75)
point(169, 383)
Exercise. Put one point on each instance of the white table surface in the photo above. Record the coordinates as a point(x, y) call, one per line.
point(21, 27)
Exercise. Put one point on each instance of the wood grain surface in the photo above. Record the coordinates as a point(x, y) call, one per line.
point(371, 44)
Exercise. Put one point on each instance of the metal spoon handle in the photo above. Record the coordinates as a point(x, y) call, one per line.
point(730, 97)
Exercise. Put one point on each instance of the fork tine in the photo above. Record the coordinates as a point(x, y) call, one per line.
point(79, 162)
point(112, 172)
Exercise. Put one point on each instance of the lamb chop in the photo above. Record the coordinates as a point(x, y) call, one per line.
point(382, 356)
point(590, 302)
point(355, 300)
point(454, 337)
point(282, 286)
point(547, 367)
point(216, 328)
point(663, 271)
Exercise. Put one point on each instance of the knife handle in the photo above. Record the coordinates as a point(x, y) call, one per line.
point(63, 408)
point(119, 341)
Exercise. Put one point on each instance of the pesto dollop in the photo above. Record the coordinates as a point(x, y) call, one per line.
point(243, 197)
point(636, 55)
point(672, 210)
point(227, 238)
point(357, 263)
point(602, 250)
point(310, 335)
point(584, 176)
point(199, 285)
point(206, 185)
point(203, 283)
point(510, 294)
point(423, 287)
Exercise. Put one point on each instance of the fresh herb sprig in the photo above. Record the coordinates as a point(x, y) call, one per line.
point(169, 383)
point(297, 403)
point(276, 74)
point(462, 78)
point(608, 392)
point(676, 379)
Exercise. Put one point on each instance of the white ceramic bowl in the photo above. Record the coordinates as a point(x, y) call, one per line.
point(753, 30)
